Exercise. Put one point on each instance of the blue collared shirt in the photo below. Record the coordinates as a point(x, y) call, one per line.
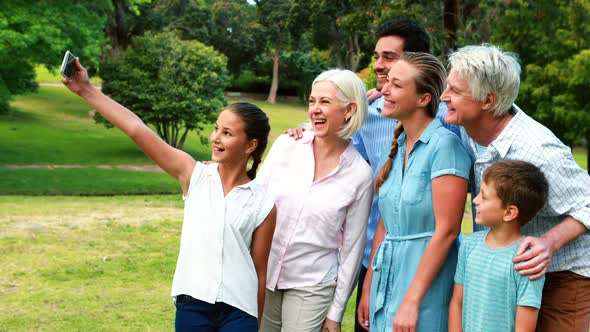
point(373, 139)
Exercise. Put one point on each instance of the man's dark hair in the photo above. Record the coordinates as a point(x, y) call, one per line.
point(518, 183)
point(415, 37)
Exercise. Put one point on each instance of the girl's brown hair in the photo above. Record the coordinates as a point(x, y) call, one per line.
point(256, 127)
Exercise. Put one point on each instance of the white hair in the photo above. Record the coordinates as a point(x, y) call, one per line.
point(350, 88)
point(489, 70)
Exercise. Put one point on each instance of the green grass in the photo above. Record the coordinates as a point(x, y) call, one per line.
point(43, 75)
point(88, 264)
point(580, 155)
point(52, 127)
point(91, 263)
point(85, 181)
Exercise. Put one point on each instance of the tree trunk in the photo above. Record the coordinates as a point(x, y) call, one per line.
point(274, 86)
point(353, 54)
point(116, 29)
point(182, 139)
point(451, 14)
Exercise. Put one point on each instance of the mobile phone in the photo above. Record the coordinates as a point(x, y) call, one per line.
point(67, 65)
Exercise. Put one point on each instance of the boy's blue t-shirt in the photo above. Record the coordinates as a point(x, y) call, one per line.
point(492, 289)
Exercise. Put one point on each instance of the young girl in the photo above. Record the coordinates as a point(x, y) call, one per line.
point(422, 188)
point(323, 190)
point(219, 283)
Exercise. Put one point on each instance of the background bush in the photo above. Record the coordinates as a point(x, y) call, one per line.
point(173, 84)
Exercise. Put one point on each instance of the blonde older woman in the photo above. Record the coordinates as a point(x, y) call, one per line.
point(323, 191)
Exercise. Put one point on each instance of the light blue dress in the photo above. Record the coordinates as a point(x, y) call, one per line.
point(405, 201)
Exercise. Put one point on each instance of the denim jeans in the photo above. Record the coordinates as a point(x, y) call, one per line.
point(197, 315)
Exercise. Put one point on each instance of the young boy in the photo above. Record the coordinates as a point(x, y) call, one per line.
point(489, 295)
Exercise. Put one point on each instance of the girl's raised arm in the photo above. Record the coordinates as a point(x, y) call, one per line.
point(175, 162)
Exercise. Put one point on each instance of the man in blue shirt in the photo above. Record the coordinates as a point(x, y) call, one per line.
point(376, 133)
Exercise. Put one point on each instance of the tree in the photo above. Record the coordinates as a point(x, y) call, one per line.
point(38, 33)
point(174, 85)
point(451, 23)
point(552, 39)
point(230, 26)
point(235, 32)
point(558, 93)
point(117, 27)
point(342, 27)
point(303, 67)
point(273, 14)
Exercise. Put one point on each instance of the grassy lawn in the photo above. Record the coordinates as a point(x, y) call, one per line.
point(85, 181)
point(45, 76)
point(88, 263)
point(91, 263)
point(52, 127)
point(580, 155)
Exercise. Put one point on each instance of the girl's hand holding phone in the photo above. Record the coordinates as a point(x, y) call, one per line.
point(78, 81)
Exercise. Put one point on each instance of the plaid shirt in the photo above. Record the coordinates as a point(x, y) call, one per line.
point(569, 185)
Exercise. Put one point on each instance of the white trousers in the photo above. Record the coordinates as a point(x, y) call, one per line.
point(298, 309)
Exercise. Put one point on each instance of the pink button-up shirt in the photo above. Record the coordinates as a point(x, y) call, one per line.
point(321, 225)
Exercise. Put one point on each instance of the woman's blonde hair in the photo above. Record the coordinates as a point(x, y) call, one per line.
point(350, 89)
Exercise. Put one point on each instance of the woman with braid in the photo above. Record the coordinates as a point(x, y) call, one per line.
point(228, 219)
point(422, 188)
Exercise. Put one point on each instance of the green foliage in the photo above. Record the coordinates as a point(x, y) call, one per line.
point(544, 31)
point(248, 81)
point(298, 70)
point(230, 26)
point(235, 32)
point(371, 80)
point(342, 27)
point(552, 39)
point(39, 32)
point(175, 85)
point(558, 92)
point(469, 22)
point(301, 68)
point(5, 96)
point(274, 15)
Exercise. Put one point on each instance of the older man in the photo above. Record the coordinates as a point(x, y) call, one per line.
point(482, 85)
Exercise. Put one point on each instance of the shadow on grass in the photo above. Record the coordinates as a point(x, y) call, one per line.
point(18, 115)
